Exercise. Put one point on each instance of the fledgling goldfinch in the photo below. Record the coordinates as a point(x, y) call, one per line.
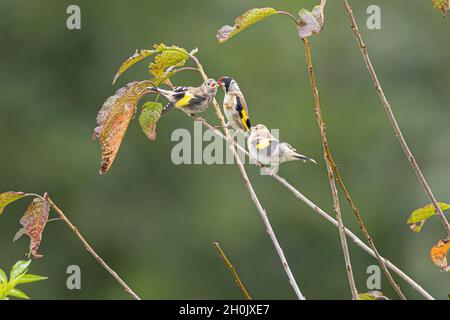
point(234, 105)
point(189, 99)
point(267, 150)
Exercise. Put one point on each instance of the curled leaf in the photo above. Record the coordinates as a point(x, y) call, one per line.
point(114, 117)
point(442, 5)
point(136, 57)
point(438, 254)
point(372, 295)
point(311, 22)
point(34, 221)
point(244, 21)
point(151, 111)
point(168, 57)
point(418, 217)
point(9, 197)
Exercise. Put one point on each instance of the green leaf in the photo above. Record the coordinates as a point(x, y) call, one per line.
point(114, 117)
point(3, 277)
point(18, 268)
point(9, 197)
point(244, 21)
point(33, 223)
point(372, 295)
point(169, 57)
point(136, 57)
point(17, 294)
point(29, 278)
point(442, 5)
point(426, 212)
point(151, 111)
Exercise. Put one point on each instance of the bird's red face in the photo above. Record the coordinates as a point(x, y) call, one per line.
point(224, 82)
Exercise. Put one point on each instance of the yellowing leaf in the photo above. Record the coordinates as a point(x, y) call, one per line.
point(151, 111)
point(442, 5)
point(168, 57)
point(114, 117)
point(372, 295)
point(418, 217)
point(136, 57)
point(438, 254)
point(9, 197)
point(311, 22)
point(249, 18)
point(34, 221)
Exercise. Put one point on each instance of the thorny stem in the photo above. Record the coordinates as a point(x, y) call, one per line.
point(326, 154)
point(326, 216)
point(233, 271)
point(252, 192)
point(90, 250)
point(392, 119)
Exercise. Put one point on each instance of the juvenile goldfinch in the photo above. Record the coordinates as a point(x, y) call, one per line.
point(234, 105)
point(267, 150)
point(189, 99)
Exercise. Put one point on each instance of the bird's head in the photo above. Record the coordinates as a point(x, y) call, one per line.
point(228, 84)
point(260, 130)
point(210, 86)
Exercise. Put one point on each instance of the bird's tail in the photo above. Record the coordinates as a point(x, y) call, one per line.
point(297, 156)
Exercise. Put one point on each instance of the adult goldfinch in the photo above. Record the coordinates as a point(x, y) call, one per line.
point(267, 150)
point(234, 105)
point(189, 99)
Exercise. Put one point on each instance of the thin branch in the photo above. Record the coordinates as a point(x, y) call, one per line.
point(326, 153)
point(252, 192)
point(233, 271)
point(92, 252)
point(365, 231)
point(289, 15)
point(393, 121)
point(325, 215)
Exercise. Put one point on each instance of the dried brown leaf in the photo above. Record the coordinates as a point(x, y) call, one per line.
point(114, 117)
point(438, 254)
point(33, 223)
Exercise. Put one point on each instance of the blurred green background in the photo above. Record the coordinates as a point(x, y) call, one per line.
point(154, 222)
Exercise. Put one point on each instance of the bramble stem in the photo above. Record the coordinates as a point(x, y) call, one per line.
point(331, 179)
point(393, 121)
point(233, 271)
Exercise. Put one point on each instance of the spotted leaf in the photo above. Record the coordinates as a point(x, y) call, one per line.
point(311, 22)
point(438, 254)
point(419, 216)
point(9, 197)
point(114, 117)
point(244, 21)
point(33, 223)
point(151, 111)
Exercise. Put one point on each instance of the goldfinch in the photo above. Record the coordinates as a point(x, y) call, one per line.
point(267, 150)
point(189, 99)
point(234, 105)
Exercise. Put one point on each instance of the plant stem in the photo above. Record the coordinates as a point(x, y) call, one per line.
point(365, 231)
point(233, 271)
point(252, 192)
point(331, 179)
point(92, 252)
point(326, 216)
point(393, 121)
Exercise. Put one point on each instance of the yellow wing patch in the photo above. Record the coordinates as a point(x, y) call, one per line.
point(183, 102)
point(244, 120)
point(262, 144)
